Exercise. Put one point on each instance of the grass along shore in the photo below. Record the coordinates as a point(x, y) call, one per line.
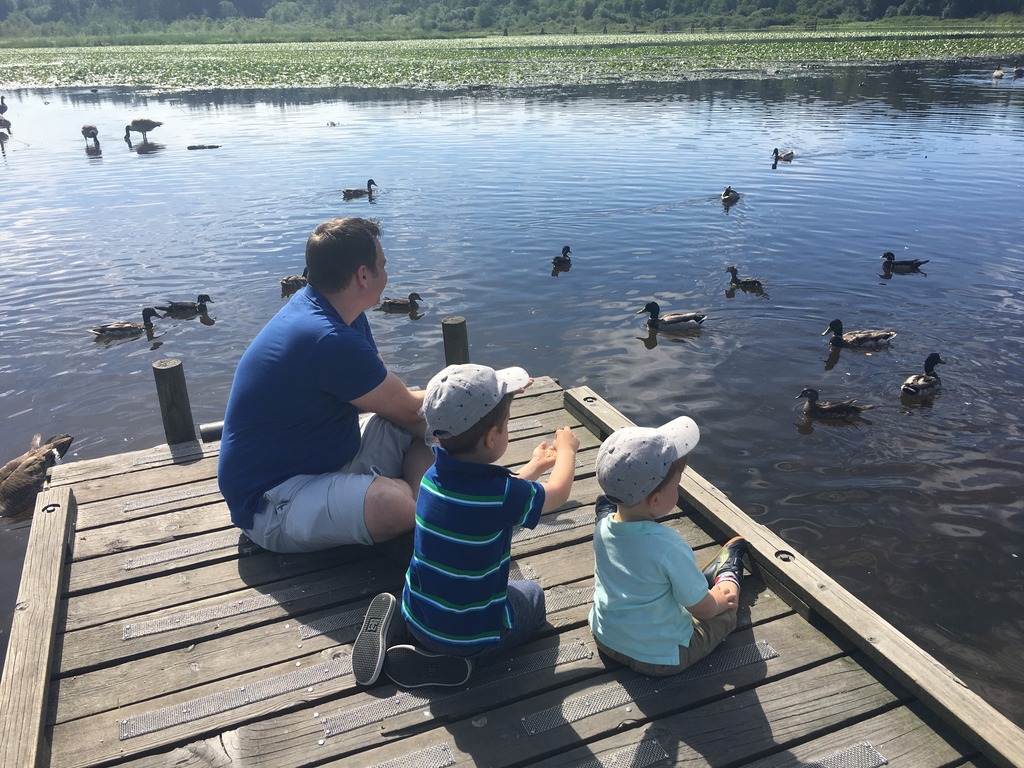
point(524, 61)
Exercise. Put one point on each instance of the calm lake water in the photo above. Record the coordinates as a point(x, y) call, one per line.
point(919, 510)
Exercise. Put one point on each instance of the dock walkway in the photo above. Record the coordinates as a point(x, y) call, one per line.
point(149, 632)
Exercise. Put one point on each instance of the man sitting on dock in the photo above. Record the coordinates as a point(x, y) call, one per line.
point(297, 470)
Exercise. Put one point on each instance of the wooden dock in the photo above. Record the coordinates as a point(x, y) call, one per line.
point(149, 632)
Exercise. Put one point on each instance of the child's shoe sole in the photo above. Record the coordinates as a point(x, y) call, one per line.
point(729, 557)
point(372, 641)
point(412, 667)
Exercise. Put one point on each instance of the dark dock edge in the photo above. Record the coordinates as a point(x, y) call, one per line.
point(812, 592)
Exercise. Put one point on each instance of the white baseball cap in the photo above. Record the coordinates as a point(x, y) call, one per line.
point(634, 461)
point(460, 395)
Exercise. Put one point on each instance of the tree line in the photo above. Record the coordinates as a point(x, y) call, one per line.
point(363, 19)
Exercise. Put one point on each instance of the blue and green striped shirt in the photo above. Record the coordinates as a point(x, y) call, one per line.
point(456, 582)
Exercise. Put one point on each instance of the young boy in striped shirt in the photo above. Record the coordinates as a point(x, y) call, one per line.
point(459, 605)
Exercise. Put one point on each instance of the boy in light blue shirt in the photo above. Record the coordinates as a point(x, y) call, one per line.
point(654, 609)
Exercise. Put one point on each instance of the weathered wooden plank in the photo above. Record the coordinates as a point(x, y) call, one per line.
point(146, 504)
point(24, 686)
point(364, 718)
point(991, 732)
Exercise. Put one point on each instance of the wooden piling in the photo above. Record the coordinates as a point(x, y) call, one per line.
point(175, 409)
point(456, 340)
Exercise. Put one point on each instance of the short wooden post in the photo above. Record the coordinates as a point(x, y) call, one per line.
point(456, 340)
point(175, 409)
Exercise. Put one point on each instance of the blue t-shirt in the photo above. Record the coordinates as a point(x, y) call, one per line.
point(456, 583)
point(644, 575)
point(289, 412)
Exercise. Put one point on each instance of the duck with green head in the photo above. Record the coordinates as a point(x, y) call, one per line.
point(123, 329)
point(183, 310)
point(927, 383)
point(671, 321)
point(855, 339)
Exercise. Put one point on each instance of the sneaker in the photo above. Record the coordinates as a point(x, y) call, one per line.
point(412, 667)
point(604, 507)
point(729, 558)
point(372, 641)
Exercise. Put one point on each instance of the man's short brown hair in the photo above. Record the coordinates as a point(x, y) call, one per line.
point(336, 250)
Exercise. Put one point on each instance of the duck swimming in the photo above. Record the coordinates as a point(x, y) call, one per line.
point(901, 265)
point(355, 193)
point(292, 283)
point(785, 155)
point(926, 383)
point(186, 309)
point(563, 260)
point(746, 283)
point(405, 306)
point(872, 338)
point(141, 125)
point(843, 409)
point(730, 195)
point(673, 321)
point(123, 329)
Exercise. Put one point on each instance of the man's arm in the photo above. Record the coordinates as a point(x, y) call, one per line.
point(395, 402)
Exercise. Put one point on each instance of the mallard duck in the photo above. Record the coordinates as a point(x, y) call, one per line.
point(405, 306)
point(22, 478)
point(123, 329)
point(924, 383)
point(91, 132)
point(746, 283)
point(843, 409)
point(901, 265)
point(785, 154)
point(186, 309)
point(872, 338)
point(352, 194)
point(141, 125)
point(293, 283)
point(563, 260)
point(730, 195)
point(673, 320)
point(998, 73)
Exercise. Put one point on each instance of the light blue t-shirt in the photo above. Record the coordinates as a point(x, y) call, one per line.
point(644, 575)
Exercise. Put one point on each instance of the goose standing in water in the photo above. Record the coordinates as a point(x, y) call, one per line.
point(998, 74)
point(3, 106)
point(357, 192)
point(91, 132)
point(926, 383)
point(141, 125)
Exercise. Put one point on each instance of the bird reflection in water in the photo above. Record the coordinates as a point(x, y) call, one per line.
point(145, 148)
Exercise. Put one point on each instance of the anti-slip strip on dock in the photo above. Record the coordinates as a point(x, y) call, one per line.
point(331, 623)
point(523, 571)
point(561, 598)
point(637, 687)
point(195, 547)
point(404, 701)
point(579, 518)
point(861, 755)
point(167, 498)
point(216, 703)
point(518, 425)
point(640, 755)
point(437, 756)
point(225, 610)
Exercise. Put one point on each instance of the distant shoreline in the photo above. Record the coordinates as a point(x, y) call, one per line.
point(497, 62)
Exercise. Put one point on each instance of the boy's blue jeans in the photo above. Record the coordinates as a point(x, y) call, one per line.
point(526, 599)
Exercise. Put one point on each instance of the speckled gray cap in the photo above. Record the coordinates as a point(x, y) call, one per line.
point(460, 395)
point(634, 461)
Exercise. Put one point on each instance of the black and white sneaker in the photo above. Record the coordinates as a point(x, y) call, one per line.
point(372, 641)
point(728, 560)
point(412, 667)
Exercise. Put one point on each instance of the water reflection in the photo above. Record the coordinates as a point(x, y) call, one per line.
point(860, 499)
point(145, 147)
